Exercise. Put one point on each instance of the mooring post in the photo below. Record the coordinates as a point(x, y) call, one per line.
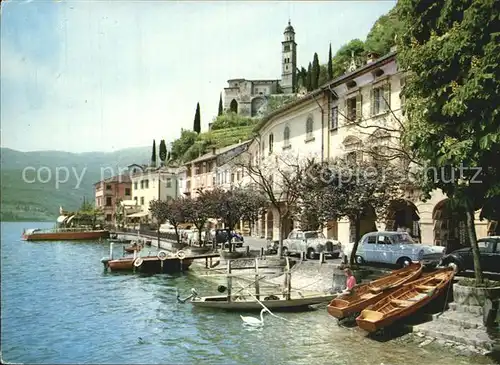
point(262, 252)
point(229, 280)
point(289, 281)
point(206, 262)
point(257, 287)
point(302, 256)
point(111, 251)
point(248, 250)
point(321, 258)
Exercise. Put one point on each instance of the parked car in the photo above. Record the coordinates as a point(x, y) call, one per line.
point(222, 237)
point(489, 256)
point(312, 243)
point(396, 248)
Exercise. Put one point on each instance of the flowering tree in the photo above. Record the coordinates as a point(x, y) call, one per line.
point(278, 179)
point(197, 211)
point(350, 189)
point(170, 211)
point(234, 205)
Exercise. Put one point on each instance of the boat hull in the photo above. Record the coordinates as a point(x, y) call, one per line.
point(66, 236)
point(405, 301)
point(150, 264)
point(367, 294)
point(220, 302)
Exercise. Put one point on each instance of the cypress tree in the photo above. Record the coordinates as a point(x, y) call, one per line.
point(315, 75)
point(330, 64)
point(153, 154)
point(309, 77)
point(220, 105)
point(163, 151)
point(168, 156)
point(197, 120)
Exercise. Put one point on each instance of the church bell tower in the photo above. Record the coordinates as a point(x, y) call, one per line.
point(289, 61)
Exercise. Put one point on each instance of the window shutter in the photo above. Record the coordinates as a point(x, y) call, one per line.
point(359, 106)
point(372, 102)
point(387, 96)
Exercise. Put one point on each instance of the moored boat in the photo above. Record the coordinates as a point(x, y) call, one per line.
point(63, 234)
point(160, 263)
point(405, 300)
point(249, 303)
point(364, 295)
point(132, 248)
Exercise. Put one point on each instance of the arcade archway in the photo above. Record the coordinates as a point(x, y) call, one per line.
point(450, 229)
point(403, 216)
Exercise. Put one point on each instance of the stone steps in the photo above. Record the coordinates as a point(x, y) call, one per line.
point(461, 319)
point(472, 309)
point(455, 333)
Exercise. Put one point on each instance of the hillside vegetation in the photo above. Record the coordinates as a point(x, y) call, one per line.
point(30, 199)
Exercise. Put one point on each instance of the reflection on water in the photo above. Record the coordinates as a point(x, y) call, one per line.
point(58, 306)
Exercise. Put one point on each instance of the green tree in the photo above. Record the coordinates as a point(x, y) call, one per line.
point(182, 144)
point(451, 52)
point(153, 154)
point(231, 120)
point(309, 81)
point(343, 56)
point(315, 72)
point(382, 36)
point(302, 77)
point(197, 119)
point(163, 151)
point(221, 110)
point(330, 64)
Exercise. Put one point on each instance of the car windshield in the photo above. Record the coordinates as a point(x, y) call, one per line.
point(314, 235)
point(402, 238)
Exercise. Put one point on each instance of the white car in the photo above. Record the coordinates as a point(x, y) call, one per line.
point(396, 248)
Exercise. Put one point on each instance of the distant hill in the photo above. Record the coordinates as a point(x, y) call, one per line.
point(24, 199)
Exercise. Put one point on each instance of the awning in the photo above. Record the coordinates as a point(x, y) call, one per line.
point(61, 218)
point(137, 215)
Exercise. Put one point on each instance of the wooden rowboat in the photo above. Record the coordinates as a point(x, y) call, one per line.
point(364, 295)
point(248, 303)
point(405, 300)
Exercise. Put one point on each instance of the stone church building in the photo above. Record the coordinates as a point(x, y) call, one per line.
point(249, 97)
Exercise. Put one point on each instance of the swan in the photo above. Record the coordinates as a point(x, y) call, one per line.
point(252, 321)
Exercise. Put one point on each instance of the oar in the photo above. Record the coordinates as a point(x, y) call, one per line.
point(267, 309)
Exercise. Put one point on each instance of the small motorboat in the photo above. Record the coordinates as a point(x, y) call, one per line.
point(364, 295)
point(132, 248)
point(405, 300)
point(120, 240)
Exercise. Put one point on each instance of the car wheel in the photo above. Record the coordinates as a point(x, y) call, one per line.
point(311, 255)
point(285, 251)
point(404, 262)
point(359, 260)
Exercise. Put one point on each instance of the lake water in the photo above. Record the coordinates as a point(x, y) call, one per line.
point(58, 306)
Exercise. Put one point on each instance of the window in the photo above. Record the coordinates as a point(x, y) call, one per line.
point(109, 201)
point(135, 198)
point(380, 102)
point(108, 217)
point(371, 239)
point(271, 143)
point(335, 118)
point(263, 150)
point(142, 200)
point(309, 128)
point(232, 177)
point(169, 182)
point(213, 180)
point(287, 48)
point(351, 157)
point(351, 109)
point(286, 137)
point(383, 240)
point(142, 184)
point(127, 191)
point(286, 67)
point(108, 187)
point(135, 185)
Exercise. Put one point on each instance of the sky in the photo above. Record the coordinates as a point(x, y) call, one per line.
point(100, 75)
